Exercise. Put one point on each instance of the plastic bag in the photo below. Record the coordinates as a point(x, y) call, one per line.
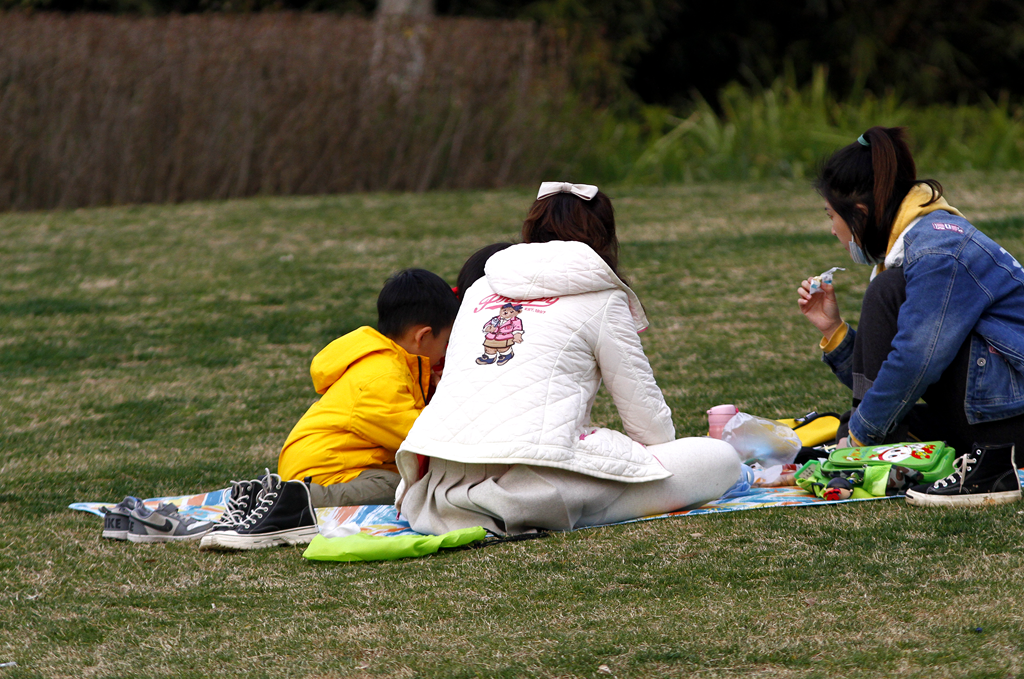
point(759, 440)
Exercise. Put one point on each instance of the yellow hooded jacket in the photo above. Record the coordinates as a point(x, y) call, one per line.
point(373, 390)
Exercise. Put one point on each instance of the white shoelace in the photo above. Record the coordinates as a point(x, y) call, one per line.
point(266, 500)
point(235, 511)
point(962, 465)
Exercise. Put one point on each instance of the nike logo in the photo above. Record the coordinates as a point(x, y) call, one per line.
point(165, 526)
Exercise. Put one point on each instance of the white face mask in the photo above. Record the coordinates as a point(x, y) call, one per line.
point(859, 256)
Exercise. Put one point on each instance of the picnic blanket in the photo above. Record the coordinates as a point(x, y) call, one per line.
point(383, 520)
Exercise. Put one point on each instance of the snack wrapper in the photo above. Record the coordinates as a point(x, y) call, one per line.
point(824, 278)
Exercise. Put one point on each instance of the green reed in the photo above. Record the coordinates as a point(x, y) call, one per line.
point(784, 130)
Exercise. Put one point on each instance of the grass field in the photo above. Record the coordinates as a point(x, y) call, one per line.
point(165, 350)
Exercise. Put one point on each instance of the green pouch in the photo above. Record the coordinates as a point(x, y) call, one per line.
point(917, 462)
point(363, 547)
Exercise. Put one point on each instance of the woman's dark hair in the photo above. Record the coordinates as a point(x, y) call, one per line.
point(564, 216)
point(878, 176)
point(473, 269)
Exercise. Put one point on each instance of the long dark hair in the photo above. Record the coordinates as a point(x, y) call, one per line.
point(878, 176)
point(564, 216)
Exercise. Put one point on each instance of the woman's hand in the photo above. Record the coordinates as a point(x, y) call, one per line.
point(820, 309)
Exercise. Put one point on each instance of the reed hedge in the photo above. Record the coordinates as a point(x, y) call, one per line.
point(98, 110)
point(784, 131)
point(102, 110)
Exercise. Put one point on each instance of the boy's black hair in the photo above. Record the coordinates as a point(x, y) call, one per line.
point(473, 269)
point(415, 297)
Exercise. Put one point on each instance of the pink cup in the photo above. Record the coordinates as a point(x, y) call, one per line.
point(718, 417)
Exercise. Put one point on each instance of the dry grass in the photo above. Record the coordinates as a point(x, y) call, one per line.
point(98, 109)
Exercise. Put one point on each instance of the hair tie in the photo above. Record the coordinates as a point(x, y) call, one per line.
point(863, 141)
point(584, 191)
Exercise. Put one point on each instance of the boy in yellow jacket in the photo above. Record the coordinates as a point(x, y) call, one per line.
point(373, 383)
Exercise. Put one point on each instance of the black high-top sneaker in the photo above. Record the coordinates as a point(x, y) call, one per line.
point(283, 515)
point(985, 476)
point(240, 503)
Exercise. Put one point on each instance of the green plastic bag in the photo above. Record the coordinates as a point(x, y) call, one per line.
point(364, 547)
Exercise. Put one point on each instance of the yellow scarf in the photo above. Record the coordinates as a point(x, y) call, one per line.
point(911, 208)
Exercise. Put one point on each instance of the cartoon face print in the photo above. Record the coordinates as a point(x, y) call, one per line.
point(896, 454)
point(508, 312)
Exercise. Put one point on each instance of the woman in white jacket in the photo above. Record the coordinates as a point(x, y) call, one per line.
point(506, 441)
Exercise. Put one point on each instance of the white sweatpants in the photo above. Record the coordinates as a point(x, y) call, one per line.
point(522, 498)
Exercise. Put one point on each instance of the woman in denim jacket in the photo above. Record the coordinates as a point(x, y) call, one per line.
point(943, 316)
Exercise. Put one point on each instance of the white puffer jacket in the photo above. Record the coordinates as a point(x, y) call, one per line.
point(579, 324)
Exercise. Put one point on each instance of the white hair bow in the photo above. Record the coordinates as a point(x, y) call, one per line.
point(584, 191)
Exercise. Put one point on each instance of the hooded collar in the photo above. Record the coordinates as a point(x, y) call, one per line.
point(337, 357)
point(556, 269)
point(911, 210)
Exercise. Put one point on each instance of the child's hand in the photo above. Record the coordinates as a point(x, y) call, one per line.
point(820, 309)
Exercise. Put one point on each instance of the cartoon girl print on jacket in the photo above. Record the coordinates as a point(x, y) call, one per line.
point(500, 334)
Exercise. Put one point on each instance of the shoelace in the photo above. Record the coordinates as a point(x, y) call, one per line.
point(962, 465)
point(266, 500)
point(235, 511)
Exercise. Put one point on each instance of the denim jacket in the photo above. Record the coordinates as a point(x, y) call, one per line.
point(960, 284)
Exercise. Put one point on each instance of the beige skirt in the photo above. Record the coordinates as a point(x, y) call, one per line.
point(514, 499)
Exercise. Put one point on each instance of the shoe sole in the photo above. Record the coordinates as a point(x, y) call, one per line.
point(966, 500)
point(206, 541)
point(138, 539)
point(110, 523)
point(230, 541)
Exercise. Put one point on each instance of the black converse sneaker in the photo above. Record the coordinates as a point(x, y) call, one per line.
point(115, 519)
point(283, 515)
point(985, 476)
point(241, 502)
